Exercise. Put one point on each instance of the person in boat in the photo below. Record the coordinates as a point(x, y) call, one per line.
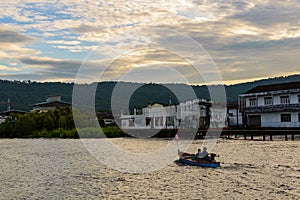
point(204, 154)
point(198, 155)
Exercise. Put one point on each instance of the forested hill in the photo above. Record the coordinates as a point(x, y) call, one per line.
point(23, 94)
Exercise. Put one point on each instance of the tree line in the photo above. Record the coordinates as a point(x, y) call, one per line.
point(23, 94)
point(56, 123)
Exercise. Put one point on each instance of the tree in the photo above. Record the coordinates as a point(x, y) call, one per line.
point(24, 126)
point(48, 122)
point(6, 128)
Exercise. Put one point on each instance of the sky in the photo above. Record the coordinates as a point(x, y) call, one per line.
point(190, 41)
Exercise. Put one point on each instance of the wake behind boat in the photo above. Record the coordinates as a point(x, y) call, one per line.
point(190, 159)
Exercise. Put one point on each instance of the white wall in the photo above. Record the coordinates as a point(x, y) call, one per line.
point(261, 101)
point(276, 99)
point(294, 98)
point(274, 120)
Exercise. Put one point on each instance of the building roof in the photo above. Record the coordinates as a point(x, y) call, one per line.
point(274, 87)
point(52, 104)
point(9, 112)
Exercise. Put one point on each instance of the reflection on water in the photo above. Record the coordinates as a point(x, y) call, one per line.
point(56, 169)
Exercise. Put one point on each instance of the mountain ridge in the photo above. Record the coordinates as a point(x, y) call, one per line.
point(23, 94)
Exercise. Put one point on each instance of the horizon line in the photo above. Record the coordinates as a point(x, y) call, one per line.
point(225, 83)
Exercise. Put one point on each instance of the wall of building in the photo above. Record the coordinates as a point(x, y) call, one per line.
point(184, 115)
point(274, 120)
point(294, 99)
point(270, 115)
point(234, 117)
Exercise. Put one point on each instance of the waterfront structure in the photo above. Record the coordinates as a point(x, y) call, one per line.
point(52, 102)
point(271, 106)
point(197, 114)
point(234, 116)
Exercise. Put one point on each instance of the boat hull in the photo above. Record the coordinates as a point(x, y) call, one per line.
point(199, 164)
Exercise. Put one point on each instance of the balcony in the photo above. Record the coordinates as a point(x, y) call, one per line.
point(272, 108)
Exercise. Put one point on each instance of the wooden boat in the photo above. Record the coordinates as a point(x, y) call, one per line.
point(188, 159)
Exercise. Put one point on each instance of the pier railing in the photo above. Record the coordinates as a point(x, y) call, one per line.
point(287, 134)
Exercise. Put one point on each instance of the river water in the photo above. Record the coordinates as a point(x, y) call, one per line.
point(65, 169)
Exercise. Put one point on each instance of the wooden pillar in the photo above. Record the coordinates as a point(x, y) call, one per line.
point(251, 135)
point(271, 136)
point(293, 138)
point(286, 136)
point(264, 136)
point(245, 135)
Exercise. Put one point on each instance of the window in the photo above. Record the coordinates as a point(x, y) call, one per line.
point(131, 122)
point(284, 99)
point(170, 121)
point(285, 117)
point(158, 121)
point(139, 111)
point(253, 102)
point(148, 121)
point(268, 101)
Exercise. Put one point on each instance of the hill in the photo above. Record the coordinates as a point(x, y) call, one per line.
point(23, 94)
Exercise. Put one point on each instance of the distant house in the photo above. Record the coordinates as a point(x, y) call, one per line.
point(10, 112)
point(274, 106)
point(52, 102)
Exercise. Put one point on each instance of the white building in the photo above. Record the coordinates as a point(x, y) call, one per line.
point(194, 114)
point(191, 114)
point(274, 106)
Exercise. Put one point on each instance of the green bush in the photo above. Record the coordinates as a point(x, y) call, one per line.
point(109, 131)
point(56, 123)
point(113, 131)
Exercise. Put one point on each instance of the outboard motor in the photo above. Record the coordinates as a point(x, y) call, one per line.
point(212, 156)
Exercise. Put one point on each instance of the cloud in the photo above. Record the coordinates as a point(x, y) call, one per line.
point(5, 68)
point(51, 63)
point(63, 68)
point(12, 43)
point(65, 42)
point(11, 36)
point(246, 39)
point(272, 13)
point(84, 28)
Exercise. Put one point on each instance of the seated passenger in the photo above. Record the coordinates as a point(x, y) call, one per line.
point(204, 154)
point(198, 155)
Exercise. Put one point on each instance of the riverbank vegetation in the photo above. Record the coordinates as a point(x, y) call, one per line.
point(56, 123)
